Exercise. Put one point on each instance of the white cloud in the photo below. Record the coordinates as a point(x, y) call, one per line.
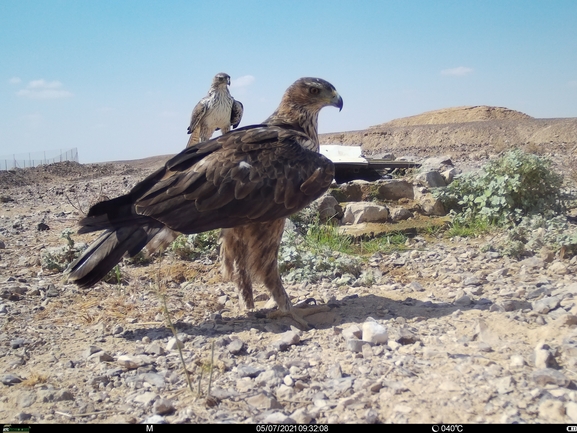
point(14, 80)
point(457, 72)
point(42, 89)
point(244, 81)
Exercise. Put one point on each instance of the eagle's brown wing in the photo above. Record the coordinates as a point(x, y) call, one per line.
point(236, 113)
point(250, 175)
point(253, 174)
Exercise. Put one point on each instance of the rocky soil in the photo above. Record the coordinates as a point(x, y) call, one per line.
point(446, 333)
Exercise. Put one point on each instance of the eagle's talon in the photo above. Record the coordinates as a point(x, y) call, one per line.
point(298, 314)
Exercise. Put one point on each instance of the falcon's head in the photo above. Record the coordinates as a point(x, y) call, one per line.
point(221, 79)
point(313, 94)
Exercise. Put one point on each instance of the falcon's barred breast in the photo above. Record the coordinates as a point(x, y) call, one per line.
point(217, 110)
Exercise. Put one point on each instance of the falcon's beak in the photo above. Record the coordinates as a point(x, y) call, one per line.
point(337, 101)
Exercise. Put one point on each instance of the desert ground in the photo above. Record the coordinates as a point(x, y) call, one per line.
point(452, 333)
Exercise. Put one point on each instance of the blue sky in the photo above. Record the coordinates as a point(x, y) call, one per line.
point(118, 79)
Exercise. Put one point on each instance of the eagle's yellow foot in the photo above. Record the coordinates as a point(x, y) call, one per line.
point(297, 314)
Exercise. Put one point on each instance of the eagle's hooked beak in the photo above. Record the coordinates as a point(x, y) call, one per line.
point(337, 101)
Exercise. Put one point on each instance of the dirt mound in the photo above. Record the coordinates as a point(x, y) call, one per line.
point(477, 113)
point(62, 170)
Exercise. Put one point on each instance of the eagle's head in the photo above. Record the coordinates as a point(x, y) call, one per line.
point(313, 94)
point(221, 79)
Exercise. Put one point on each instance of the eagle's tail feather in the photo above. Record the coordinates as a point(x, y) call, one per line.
point(95, 262)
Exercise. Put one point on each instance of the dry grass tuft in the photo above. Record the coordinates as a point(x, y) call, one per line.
point(34, 379)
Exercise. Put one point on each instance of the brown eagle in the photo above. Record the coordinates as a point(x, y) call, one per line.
point(246, 182)
point(217, 110)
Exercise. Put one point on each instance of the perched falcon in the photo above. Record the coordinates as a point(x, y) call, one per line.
point(217, 110)
point(246, 182)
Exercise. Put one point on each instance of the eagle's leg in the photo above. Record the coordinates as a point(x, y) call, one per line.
point(250, 253)
point(235, 267)
point(278, 293)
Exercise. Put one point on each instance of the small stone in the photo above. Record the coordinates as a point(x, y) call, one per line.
point(463, 301)
point(278, 418)
point(558, 268)
point(406, 337)
point(335, 372)
point(472, 281)
point(352, 331)
point(543, 306)
point(90, 351)
point(375, 333)
point(163, 406)
point(505, 385)
point(287, 339)
point(415, 287)
point(173, 344)
point(42, 227)
point(235, 346)
point(367, 351)
point(567, 320)
point(10, 379)
point(24, 416)
point(355, 345)
point(132, 362)
point(548, 375)
point(571, 411)
point(117, 329)
point(154, 348)
point(153, 379)
point(517, 361)
point(52, 291)
point(544, 359)
point(264, 402)
point(155, 419)
point(247, 371)
point(63, 395)
point(17, 342)
point(145, 398)
point(552, 410)
point(26, 399)
point(301, 416)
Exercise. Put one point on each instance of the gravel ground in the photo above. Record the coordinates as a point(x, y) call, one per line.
point(447, 333)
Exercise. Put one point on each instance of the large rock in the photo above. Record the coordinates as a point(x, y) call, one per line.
point(328, 208)
point(395, 189)
point(428, 204)
point(361, 212)
point(432, 179)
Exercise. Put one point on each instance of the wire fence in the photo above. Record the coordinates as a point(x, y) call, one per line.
point(34, 159)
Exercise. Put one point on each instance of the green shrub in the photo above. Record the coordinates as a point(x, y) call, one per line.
point(535, 232)
point(57, 259)
point(510, 187)
point(191, 247)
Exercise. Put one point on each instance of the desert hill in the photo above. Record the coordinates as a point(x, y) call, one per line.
point(477, 113)
point(465, 134)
